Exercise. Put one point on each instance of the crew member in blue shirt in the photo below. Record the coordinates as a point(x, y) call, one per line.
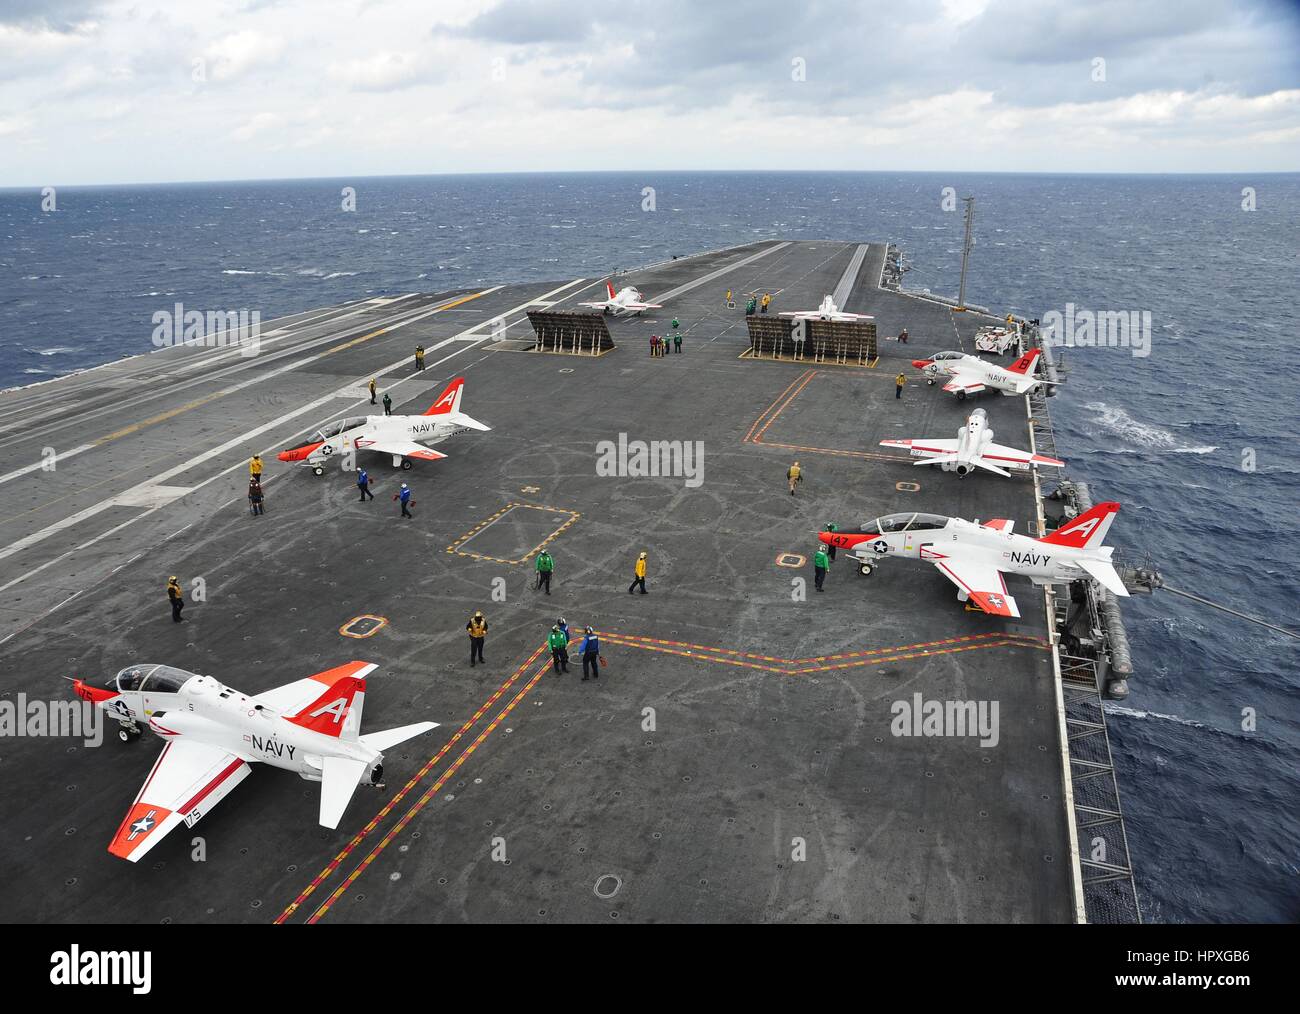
point(589, 649)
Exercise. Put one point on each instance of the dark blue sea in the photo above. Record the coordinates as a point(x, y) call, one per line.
point(1213, 810)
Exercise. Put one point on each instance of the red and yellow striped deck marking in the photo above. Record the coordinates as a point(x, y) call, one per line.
point(401, 793)
point(684, 649)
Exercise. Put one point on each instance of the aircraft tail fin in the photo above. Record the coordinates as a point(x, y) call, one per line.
point(337, 710)
point(1087, 530)
point(381, 741)
point(340, 777)
point(449, 401)
point(609, 287)
point(1025, 364)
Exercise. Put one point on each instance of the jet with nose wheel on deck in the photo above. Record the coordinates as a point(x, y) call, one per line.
point(213, 734)
point(626, 300)
point(973, 448)
point(975, 556)
point(826, 311)
point(402, 436)
point(970, 374)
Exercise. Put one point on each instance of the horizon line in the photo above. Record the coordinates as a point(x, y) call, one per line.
point(676, 171)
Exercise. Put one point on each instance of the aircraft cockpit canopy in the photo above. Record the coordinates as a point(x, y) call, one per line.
point(340, 426)
point(153, 679)
point(906, 522)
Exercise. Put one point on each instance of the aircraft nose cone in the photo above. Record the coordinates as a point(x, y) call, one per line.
point(285, 455)
point(920, 364)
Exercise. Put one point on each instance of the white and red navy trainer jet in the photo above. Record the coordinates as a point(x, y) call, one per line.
point(626, 300)
point(974, 556)
point(402, 436)
point(973, 448)
point(826, 311)
point(213, 734)
point(971, 374)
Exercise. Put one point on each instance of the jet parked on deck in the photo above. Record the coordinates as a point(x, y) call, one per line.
point(973, 448)
point(402, 436)
point(974, 556)
point(213, 734)
point(971, 374)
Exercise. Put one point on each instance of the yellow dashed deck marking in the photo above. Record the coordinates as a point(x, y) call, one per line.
point(455, 546)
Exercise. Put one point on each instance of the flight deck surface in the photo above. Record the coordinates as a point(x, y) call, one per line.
point(735, 760)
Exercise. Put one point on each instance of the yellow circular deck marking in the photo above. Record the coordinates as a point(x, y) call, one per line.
point(371, 625)
point(790, 560)
point(907, 487)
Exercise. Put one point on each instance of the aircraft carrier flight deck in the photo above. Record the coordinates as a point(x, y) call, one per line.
point(734, 761)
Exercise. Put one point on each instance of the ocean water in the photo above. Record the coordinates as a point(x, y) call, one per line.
point(1196, 439)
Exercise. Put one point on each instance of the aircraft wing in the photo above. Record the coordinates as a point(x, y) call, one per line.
point(406, 448)
point(600, 305)
point(1014, 456)
point(961, 381)
point(187, 780)
point(982, 581)
point(919, 447)
point(642, 306)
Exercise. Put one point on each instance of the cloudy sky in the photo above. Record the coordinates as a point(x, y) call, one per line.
point(137, 91)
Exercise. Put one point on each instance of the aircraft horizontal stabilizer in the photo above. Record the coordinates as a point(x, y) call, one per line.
point(339, 778)
point(938, 459)
point(381, 741)
point(992, 468)
point(1105, 574)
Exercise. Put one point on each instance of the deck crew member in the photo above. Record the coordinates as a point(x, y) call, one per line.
point(794, 476)
point(638, 577)
point(177, 598)
point(545, 567)
point(676, 324)
point(404, 494)
point(728, 297)
point(767, 298)
point(255, 497)
point(830, 549)
point(559, 644)
point(388, 404)
point(477, 627)
point(373, 388)
point(902, 336)
point(363, 484)
point(821, 563)
point(563, 624)
point(589, 649)
point(677, 342)
point(419, 357)
point(899, 381)
point(654, 345)
point(255, 467)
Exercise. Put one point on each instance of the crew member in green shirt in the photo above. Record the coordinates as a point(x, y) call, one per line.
point(559, 644)
point(821, 563)
point(544, 567)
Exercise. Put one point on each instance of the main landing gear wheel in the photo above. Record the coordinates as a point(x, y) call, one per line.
point(406, 464)
point(865, 569)
point(930, 383)
point(961, 395)
point(128, 735)
point(317, 470)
